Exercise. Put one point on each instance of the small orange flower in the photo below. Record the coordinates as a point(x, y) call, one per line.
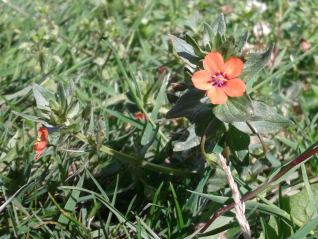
point(219, 78)
point(41, 142)
point(140, 116)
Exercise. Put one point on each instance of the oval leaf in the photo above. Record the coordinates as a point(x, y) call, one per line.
point(263, 118)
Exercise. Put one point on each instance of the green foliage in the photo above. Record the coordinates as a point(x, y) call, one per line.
point(185, 51)
point(245, 114)
point(300, 206)
point(85, 68)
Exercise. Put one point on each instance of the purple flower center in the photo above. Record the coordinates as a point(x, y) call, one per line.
point(219, 79)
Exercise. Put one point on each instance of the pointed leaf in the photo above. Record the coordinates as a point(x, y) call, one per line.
point(150, 130)
point(263, 118)
point(32, 118)
point(189, 106)
point(306, 229)
point(300, 204)
point(184, 50)
point(191, 141)
point(219, 26)
point(42, 96)
point(72, 201)
point(241, 42)
point(255, 62)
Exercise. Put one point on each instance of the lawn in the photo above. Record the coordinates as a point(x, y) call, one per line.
point(158, 119)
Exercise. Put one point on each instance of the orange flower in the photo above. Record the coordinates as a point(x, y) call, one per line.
point(41, 142)
point(219, 79)
point(140, 116)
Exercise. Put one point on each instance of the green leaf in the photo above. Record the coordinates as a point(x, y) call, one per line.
point(7, 202)
point(137, 161)
point(282, 70)
point(32, 118)
point(241, 42)
point(113, 202)
point(217, 181)
point(150, 130)
point(146, 228)
point(28, 117)
point(195, 45)
point(71, 202)
point(178, 208)
point(219, 26)
point(70, 89)
point(216, 32)
point(270, 228)
point(185, 51)
point(15, 95)
point(312, 202)
point(191, 141)
point(263, 118)
point(119, 215)
point(300, 204)
point(217, 228)
point(255, 62)
point(73, 110)
point(125, 118)
point(42, 96)
point(237, 140)
point(189, 106)
point(155, 200)
point(192, 203)
point(270, 209)
point(61, 96)
point(235, 110)
point(306, 229)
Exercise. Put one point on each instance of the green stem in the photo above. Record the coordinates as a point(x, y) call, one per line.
point(254, 131)
point(137, 161)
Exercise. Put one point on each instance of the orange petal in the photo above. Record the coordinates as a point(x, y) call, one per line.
point(233, 67)
point(235, 87)
point(213, 62)
point(39, 145)
point(217, 96)
point(140, 116)
point(43, 133)
point(201, 80)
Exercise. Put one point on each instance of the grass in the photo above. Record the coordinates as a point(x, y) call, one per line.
point(114, 176)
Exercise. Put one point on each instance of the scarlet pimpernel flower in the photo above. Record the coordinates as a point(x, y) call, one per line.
point(219, 78)
point(140, 116)
point(41, 142)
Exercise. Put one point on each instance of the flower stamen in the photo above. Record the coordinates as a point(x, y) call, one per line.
point(219, 79)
